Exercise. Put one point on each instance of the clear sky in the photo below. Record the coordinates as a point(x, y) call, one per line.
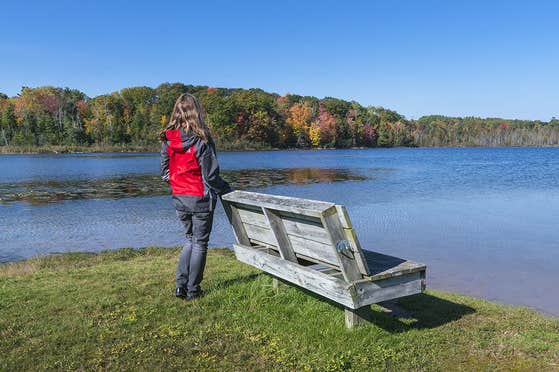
point(481, 58)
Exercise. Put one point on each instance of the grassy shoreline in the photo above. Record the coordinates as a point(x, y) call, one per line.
point(115, 310)
point(76, 149)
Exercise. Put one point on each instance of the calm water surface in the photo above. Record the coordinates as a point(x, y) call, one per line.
point(485, 221)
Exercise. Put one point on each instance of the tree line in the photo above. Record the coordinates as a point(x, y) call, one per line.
point(244, 118)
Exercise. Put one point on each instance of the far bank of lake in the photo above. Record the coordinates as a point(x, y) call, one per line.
point(94, 149)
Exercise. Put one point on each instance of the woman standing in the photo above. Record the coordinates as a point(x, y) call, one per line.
point(189, 164)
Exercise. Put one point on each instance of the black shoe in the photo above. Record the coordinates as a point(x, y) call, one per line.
point(192, 296)
point(181, 293)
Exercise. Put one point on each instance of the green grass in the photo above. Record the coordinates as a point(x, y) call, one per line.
point(68, 149)
point(115, 310)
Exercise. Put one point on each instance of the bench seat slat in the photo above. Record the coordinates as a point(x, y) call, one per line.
point(382, 266)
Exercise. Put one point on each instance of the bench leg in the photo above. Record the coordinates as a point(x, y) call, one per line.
point(355, 316)
point(275, 283)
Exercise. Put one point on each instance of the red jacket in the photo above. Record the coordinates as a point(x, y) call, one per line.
point(190, 166)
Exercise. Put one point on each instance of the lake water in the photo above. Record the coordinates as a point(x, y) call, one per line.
point(484, 220)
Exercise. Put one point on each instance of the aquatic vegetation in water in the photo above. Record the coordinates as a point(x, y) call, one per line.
point(43, 192)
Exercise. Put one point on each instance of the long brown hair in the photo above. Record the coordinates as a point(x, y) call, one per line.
point(188, 114)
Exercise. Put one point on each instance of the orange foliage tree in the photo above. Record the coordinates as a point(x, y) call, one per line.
point(299, 118)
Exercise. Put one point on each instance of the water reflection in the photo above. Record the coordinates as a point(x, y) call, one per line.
point(43, 192)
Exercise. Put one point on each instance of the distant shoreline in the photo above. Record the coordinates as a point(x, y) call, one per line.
point(10, 150)
point(15, 150)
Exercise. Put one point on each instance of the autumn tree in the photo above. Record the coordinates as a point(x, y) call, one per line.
point(326, 123)
point(299, 118)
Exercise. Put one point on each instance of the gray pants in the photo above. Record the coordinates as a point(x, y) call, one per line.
point(192, 259)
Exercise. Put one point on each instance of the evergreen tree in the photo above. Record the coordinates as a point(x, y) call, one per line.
point(7, 124)
point(384, 136)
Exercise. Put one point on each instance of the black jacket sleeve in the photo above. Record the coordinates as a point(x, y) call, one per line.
point(164, 163)
point(210, 169)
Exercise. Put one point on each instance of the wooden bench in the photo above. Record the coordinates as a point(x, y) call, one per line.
point(312, 244)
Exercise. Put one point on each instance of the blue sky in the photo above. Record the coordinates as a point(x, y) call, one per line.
point(480, 58)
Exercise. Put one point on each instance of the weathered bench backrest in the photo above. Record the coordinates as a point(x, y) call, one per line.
point(312, 230)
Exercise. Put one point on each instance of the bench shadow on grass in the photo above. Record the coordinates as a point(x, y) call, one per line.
point(420, 311)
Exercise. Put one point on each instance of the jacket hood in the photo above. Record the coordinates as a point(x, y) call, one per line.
point(179, 140)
